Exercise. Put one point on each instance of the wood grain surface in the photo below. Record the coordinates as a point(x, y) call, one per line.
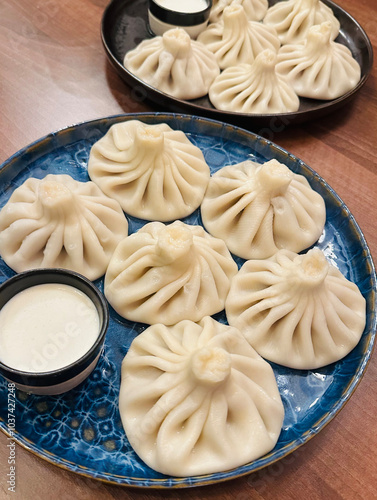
point(54, 73)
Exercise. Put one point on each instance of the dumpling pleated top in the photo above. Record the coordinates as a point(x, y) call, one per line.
point(258, 209)
point(195, 398)
point(164, 274)
point(153, 171)
point(58, 221)
point(174, 64)
point(297, 310)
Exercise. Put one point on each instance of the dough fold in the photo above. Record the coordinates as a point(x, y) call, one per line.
point(60, 222)
point(164, 274)
point(153, 171)
point(195, 398)
point(259, 209)
point(173, 63)
point(297, 310)
point(319, 68)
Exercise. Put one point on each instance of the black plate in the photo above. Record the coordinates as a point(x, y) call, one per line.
point(125, 25)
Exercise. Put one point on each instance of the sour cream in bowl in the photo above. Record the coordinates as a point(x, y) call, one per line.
point(191, 15)
point(52, 329)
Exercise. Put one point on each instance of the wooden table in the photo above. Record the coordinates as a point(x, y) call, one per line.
point(54, 73)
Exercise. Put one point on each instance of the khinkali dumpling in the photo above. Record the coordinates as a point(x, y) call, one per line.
point(153, 171)
point(292, 19)
point(318, 67)
point(235, 39)
point(254, 9)
point(174, 64)
point(258, 209)
point(60, 222)
point(254, 88)
point(297, 310)
point(164, 274)
point(197, 399)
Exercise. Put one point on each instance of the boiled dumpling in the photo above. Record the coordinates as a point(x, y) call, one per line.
point(258, 209)
point(319, 68)
point(60, 222)
point(254, 88)
point(153, 171)
point(292, 19)
point(235, 39)
point(297, 310)
point(174, 64)
point(164, 274)
point(254, 9)
point(197, 399)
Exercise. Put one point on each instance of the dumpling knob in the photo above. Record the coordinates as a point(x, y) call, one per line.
point(177, 42)
point(313, 268)
point(319, 35)
point(274, 177)
point(150, 138)
point(211, 365)
point(174, 242)
point(55, 195)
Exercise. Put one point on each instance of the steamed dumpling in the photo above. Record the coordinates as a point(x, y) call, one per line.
point(297, 310)
point(258, 209)
point(174, 64)
point(235, 39)
point(153, 171)
point(60, 222)
point(292, 19)
point(255, 10)
point(319, 68)
point(254, 88)
point(164, 274)
point(197, 399)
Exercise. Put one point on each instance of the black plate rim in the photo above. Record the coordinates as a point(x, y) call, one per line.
point(185, 106)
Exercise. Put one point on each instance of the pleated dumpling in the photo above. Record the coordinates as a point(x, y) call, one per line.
point(255, 9)
point(235, 39)
point(297, 310)
point(60, 222)
point(195, 398)
point(164, 274)
point(174, 64)
point(254, 88)
point(319, 68)
point(153, 171)
point(259, 209)
point(292, 19)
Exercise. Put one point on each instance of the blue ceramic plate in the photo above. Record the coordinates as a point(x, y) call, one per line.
point(81, 430)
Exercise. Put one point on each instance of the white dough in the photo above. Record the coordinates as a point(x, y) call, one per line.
point(258, 209)
point(164, 274)
point(292, 19)
point(235, 39)
point(153, 171)
point(297, 310)
point(254, 88)
point(197, 399)
point(254, 9)
point(319, 68)
point(174, 64)
point(60, 222)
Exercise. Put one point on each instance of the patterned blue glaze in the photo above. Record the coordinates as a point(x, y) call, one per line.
point(81, 430)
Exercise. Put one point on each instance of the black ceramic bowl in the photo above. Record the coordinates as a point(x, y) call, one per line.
point(65, 378)
point(193, 21)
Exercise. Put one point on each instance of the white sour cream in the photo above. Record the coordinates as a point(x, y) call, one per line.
point(188, 6)
point(47, 327)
